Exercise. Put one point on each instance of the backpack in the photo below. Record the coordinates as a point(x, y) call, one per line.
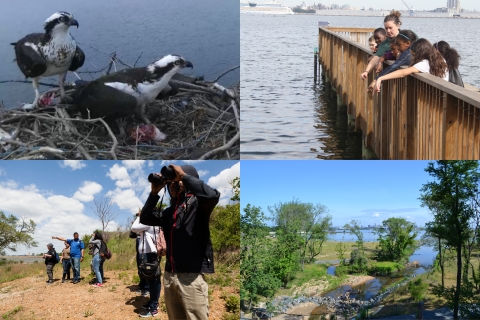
point(104, 251)
point(56, 258)
point(161, 244)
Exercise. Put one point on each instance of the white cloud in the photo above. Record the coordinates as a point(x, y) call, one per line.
point(86, 192)
point(9, 184)
point(192, 161)
point(2, 172)
point(376, 215)
point(133, 164)
point(125, 199)
point(202, 173)
point(150, 164)
point(221, 182)
point(54, 214)
point(120, 175)
point(73, 164)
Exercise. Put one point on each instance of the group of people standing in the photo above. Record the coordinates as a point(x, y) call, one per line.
point(71, 257)
point(407, 49)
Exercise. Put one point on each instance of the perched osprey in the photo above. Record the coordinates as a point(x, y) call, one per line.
point(50, 53)
point(123, 93)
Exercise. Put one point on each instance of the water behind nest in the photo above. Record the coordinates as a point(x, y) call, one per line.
point(205, 32)
point(284, 114)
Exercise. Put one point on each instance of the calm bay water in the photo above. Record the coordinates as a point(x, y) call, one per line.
point(284, 114)
point(205, 32)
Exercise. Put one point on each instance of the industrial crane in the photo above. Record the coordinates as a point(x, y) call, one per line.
point(410, 11)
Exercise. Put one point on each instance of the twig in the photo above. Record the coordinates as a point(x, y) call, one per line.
point(222, 148)
point(231, 69)
point(137, 59)
point(235, 111)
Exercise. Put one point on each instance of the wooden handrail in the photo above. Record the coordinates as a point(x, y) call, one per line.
point(416, 117)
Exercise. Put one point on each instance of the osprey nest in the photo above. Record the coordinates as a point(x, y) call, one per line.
point(199, 118)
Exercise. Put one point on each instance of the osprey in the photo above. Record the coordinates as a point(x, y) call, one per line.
point(50, 53)
point(125, 92)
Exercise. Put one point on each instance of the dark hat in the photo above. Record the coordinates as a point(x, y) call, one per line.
point(188, 169)
point(49, 245)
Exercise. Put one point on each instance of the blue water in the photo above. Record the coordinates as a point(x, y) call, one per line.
point(205, 32)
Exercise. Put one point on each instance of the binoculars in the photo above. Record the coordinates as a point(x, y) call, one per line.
point(167, 174)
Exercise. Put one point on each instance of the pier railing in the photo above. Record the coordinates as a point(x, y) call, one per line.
point(416, 117)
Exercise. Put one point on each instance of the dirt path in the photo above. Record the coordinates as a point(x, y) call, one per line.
point(116, 300)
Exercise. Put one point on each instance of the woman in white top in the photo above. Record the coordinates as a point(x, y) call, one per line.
point(424, 59)
point(148, 250)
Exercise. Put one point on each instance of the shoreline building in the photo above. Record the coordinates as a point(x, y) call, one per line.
point(453, 6)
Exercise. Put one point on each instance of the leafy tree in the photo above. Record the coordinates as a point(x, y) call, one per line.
point(358, 262)
point(305, 225)
point(455, 185)
point(256, 280)
point(340, 248)
point(396, 239)
point(433, 236)
point(14, 233)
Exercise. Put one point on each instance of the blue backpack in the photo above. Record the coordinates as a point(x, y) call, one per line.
point(56, 258)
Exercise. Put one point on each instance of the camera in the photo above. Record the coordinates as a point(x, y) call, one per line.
point(167, 174)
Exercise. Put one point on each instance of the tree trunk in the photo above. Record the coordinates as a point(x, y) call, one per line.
point(440, 262)
point(459, 281)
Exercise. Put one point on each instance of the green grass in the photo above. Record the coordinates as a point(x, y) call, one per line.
point(12, 312)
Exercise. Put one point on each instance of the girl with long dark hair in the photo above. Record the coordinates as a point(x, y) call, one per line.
point(452, 58)
point(97, 260)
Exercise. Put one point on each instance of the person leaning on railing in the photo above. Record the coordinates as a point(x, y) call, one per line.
point(392, 24)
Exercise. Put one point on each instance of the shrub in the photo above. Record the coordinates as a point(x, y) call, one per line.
point(384, 267)
point(232, 303)
point(417, 289)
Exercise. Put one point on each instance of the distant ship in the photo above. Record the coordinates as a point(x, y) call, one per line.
point(270, 7)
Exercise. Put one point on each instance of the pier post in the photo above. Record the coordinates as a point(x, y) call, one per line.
point(351, 123)
point(315, 63)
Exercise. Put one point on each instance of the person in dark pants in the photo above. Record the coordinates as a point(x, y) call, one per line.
point(185, 224)
point(143, 285)
point(148, 251)
point(65, 259)
point(50, 262)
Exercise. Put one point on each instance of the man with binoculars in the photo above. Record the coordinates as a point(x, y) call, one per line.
point(185, 224)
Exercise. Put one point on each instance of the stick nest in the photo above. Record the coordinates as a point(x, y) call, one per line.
point(201, 122)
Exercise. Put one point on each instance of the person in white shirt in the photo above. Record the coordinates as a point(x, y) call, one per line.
point(148, 250)
point(425, 58)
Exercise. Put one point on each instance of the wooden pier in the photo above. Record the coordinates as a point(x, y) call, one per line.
point(416, 117)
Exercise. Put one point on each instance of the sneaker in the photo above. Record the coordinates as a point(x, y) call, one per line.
point(151, 313)
point(49, 282)
point(145, 293)
point(98, 285)
point(146, 306)
point(63, 280)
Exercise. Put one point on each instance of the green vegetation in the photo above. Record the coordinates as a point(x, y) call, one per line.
point(453, 198)
point(13, 233)
point(396, 240)
point(384, 267)
point(417, 289)
point(12, 312)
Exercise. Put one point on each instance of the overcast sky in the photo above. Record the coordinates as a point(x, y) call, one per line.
point(369, 191)
point(58, 195)
point(387, 5)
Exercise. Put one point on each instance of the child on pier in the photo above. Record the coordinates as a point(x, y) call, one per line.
point(393, 54)
point(404, 40)
point(452, 59)
point(424, 59)
point(372, 44)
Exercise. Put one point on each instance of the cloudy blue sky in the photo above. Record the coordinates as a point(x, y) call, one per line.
point(397, 4)
point(58, 195)
point(369, 191)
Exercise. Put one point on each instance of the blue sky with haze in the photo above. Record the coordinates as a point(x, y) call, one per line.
point(58, 195)
point(369, 191)
point(387, 5)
